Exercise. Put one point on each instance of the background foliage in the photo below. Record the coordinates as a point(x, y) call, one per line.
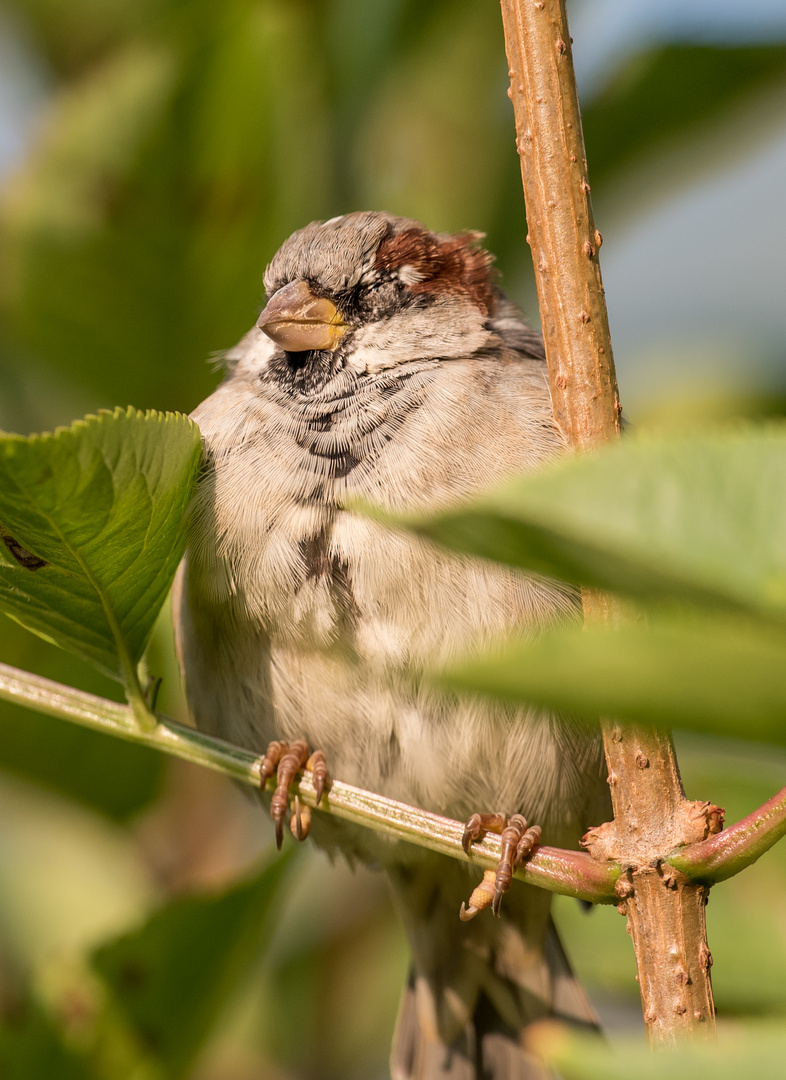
point(170, 148)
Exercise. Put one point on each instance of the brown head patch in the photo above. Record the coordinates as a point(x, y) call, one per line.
point(438, 266)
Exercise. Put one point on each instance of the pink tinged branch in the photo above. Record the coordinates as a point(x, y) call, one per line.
point(724, 854)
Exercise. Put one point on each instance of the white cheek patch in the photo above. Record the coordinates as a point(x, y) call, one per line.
point(409, 275)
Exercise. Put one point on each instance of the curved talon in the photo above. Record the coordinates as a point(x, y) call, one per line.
point(300, 820)
point(482, 896)
point(317, 766)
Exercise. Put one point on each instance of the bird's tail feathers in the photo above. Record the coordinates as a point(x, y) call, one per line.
point(491, 1043)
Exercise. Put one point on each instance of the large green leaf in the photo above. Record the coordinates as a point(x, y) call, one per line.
point(171, 978)
point(754, 1050)
point(30, 1047)
point(700, 518)
point(92, 523)
point(723, 674)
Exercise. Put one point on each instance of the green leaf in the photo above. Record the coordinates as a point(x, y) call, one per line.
point(755, 1050)
point(700, 518)
point(92, 524)
point(30, 1047)
point(171, 978)
point(115, 777)
point(723, 674)
point(80, 763)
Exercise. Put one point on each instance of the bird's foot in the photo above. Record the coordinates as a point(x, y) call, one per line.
point(517, 840)
point(286, 760)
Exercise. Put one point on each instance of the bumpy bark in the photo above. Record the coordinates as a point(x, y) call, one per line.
point(651, 816)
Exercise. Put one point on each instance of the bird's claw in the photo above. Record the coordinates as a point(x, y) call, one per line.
point(317, 766)
point(286, 760)
point(299, 819)
point(517, 841)
point(478, 825)
point(481, 897)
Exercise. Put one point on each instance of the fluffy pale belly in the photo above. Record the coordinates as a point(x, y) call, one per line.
point(314, 643)
point(390, 735)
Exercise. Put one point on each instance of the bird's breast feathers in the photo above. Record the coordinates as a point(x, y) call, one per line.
point(272, 540)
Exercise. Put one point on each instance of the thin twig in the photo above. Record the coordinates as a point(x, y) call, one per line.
point(726, 853)
point(571, 873)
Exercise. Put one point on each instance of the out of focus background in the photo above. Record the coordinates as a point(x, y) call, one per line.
point(153, 155)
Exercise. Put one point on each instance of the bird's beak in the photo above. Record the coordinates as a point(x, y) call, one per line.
point(299, 321)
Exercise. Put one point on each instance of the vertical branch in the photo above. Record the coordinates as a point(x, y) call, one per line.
point(562, 233)
point(651, 816)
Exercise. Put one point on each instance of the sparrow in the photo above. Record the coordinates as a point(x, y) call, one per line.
point(389, 367)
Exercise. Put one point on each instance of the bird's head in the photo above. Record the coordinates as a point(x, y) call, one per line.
point(382, 288)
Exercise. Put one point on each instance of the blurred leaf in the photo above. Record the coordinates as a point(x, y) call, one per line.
point(422, 123)
point(75, 35)
point(699, 519)
point(755, 1050)
point(92, 528)
point(31, 1048)
point(135, 236)
point(171, 978)
point(723, 674)
point(89, 144)
point(115, 777)
point(151, 257)
point(672, 93)
point(69, 880)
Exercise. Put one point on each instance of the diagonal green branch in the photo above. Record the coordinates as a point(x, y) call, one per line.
point(572, 873)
